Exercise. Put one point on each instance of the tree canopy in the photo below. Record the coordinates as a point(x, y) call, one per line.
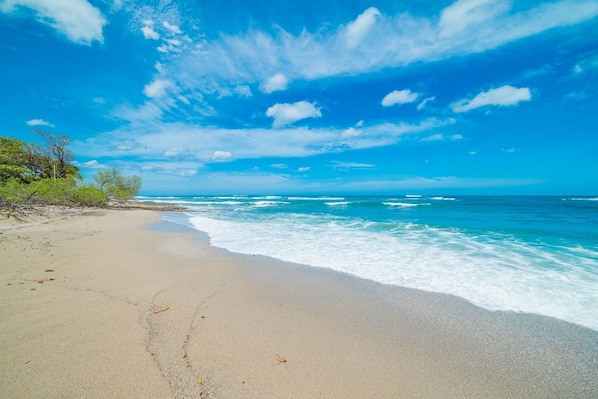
point(33, 174)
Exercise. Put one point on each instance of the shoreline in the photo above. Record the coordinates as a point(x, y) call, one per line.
point(92, 331)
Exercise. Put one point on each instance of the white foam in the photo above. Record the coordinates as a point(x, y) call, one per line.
point(443, 198)
point(261, 204)
point(495, 274)
point(404, 204)
point(340, 203)
point(582, 199)
point(316, 198)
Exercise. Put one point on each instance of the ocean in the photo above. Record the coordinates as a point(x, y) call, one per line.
point(533, 254)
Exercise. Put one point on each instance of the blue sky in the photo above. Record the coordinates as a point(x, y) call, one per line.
point(275, 96)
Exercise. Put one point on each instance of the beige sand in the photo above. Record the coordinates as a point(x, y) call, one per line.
point(92, 331)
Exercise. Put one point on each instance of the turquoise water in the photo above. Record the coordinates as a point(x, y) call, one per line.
point(525, 254)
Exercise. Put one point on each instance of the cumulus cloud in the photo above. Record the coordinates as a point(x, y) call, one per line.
point(286, 114)
point(93, 164)
point(359, 28)
point(179, 152)
point(404, 96)
point(38, 122)
point(172, 28)
point(148, 30)
point(303, 169)
point(277, 82)
point(157, 88)
point(504, 96)
point(78, 20)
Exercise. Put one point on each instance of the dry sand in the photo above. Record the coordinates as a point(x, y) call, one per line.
point(92, 331)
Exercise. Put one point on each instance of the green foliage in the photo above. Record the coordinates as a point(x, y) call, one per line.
point(33, 174)
point(89, 195)
point(13, 160)
point(53, 191)
point(117, 187)
point(13, 192)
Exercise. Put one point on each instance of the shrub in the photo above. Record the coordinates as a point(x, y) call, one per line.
point(53, 191)
point(89, 195)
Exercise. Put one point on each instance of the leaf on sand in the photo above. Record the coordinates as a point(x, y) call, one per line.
point(161, 309)
point(41, 280)
point(281, 358)
point(199, 381)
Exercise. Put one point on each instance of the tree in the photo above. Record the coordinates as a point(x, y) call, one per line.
point(13, 160)
point(117, 187)
point(52, 160)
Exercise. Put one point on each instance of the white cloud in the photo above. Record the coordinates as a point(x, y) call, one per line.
point(442, 137)
point(434, 137)
point(286, 114)
point(157, 88)
point(179, 152)
point(221, 155)
point(510, 150)
point(277, 82)
point(359, 28)
point(586, 65)
point(243, 90)
point(39, 122)
point(504, 96)
point(386, 41)
point(149, 33)
point(93, 164)
point(150, 140)
point(279, 166)
point(351, 165)
point(472, 152)
point(404, 96)
point(425, 101)
point(350, 132)
point(467, 14)
point(172, 28)
point(78, 20)
point(303, 169)
point(186, 172)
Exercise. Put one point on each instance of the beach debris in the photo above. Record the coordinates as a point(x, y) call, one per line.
point(49, 270)
point(43, 280)
point(281, 358)
point(199, 381)
point(165, 308)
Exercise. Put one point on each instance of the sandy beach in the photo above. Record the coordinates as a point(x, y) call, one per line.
point(116, 304)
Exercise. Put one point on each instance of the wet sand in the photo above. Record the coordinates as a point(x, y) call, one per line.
point(90, 327)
